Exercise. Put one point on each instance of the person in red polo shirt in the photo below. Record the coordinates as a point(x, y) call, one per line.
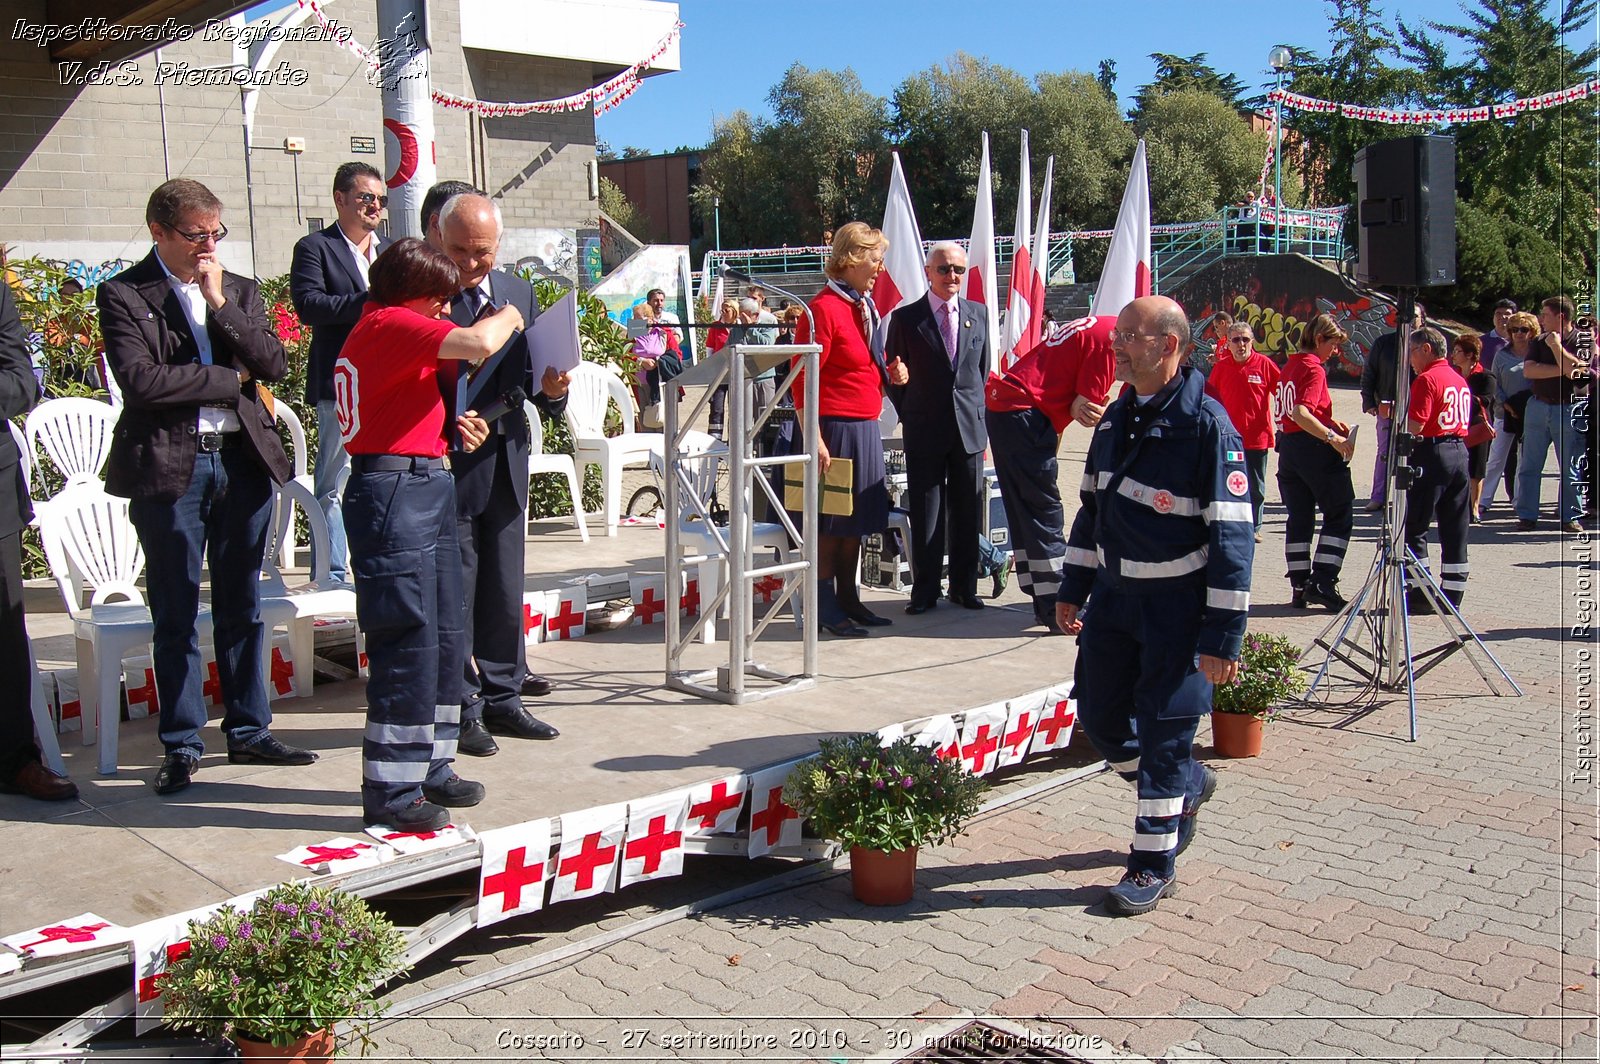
point(1244, 381)
point(390, 383)
point(1438, 412)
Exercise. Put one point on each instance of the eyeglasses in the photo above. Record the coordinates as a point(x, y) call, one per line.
point(1125, 338)
point(200, 238)
point(947, 268)
point(1522, 329)
point(367, 199)
point(1239, 340)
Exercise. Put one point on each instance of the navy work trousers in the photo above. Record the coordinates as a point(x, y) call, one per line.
point(1024, 446)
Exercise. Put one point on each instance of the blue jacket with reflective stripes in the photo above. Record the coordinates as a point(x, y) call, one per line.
point(1170, 509)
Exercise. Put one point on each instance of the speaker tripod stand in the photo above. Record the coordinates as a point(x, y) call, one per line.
point(1372, 635)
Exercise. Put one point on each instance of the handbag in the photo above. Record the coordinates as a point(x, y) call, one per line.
point(1479, 430)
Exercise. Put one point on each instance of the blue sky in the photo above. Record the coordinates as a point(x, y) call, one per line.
point(734, 51)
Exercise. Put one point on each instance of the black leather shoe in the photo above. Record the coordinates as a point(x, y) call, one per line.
point(454, 793)
point(971, 602)
point(265, 749)
point(918, 607)
point(476, 741)
point(521, 723)
point(420, 815)
point(536, 686)
point(867, 618)
point(1297, 596)
point(174, 773)
point(845, 629)
point(1324, 593)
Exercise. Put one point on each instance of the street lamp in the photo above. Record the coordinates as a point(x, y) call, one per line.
point(716, 218)
point(1278, 59)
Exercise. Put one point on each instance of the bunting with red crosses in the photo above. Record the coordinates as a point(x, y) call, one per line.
point(156, 944)
point(516, 864)
point(1022, 715)
point(653, 848)
point(140, 685)
point(83, 932)
point(714, 806)
point(980, 738)
point(410, 842)
point(1057, 716)
point(774, 824)
point(535, 611)
point(591, 845)
point(648, 592)
point(567, 609)
point(337, 855)
point(941, 735)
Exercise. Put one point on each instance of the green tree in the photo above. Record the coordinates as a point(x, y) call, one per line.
point(1176, 73)
point(740, 167)
point(623, 211)
point(1202, 155)
point(832, 138)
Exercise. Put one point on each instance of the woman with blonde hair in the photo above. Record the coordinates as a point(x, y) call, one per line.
point(1314, 454)
point(851, 377)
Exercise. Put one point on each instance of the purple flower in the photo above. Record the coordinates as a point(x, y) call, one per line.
point(316, 936)
point(907, 782)
point(877, 785)
point(219, 941)
point(280, 907)
point(294, 932)
point(246, 929)
point(233, 979)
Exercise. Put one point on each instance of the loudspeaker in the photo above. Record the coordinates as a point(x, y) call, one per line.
point(1406, 196)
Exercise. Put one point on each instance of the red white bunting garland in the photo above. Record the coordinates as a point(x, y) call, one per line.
point(1441, 115)
point(601, 98)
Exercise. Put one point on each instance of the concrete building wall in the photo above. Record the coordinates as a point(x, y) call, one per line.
point(77, 162)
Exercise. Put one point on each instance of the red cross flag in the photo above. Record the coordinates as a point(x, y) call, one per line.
point(980, 738)
point(690, 601)
point(591, 843)
point(140, 685)
point(940, 735)
point(337, 855)
point(764, 589)
point(649, 594)
point(714, 807)
point(773, 824)
point(1056, 718)
point(1022, 714)
point(535, 610)
point(82, 932)
point(565, 619)
point(69, 706)
point(516, 862)
point(654, 846)
point(409, 842)
point(157, 943)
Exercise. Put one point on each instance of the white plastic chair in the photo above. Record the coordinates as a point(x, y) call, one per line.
point(540, 462)
point(89, 541)
point(593, 388)
point(287, 546)
point(297, 607)
point(701, 454)
point(76, 434)
point(24, 454)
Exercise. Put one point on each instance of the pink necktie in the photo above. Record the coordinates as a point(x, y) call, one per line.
point(947, 326)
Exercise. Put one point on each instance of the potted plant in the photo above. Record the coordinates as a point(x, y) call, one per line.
point(276, 979)
point(1269, 675)
point(882, 803)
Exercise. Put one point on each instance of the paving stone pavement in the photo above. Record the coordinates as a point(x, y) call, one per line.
point(1351, 895)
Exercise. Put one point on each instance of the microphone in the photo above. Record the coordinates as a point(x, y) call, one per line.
point(740, 275)
point(503, 404)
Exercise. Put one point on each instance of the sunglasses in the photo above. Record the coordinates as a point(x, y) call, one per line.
point(1239, 340)
point(367, 199)
point(201, 237)
point(947, 268)
point(1522, 329)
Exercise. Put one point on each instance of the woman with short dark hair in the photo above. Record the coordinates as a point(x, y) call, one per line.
point(390, 380)
point(1466, 356)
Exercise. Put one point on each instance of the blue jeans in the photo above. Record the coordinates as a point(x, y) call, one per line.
point(331, 461)
point(1544, 424)
point(990, 557)
point(224, 516)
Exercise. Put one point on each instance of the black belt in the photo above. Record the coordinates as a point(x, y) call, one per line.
point(212, 442)
point(395, 463)
point(1440, 441)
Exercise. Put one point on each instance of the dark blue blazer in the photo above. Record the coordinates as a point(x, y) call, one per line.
point(328, 294)
point(507, 368)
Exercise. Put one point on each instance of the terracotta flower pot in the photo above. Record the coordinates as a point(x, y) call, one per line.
point(314, 1047)
point(1236, 734)
point(883, 877)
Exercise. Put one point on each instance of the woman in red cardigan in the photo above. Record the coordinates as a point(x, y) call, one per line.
point(850, 379)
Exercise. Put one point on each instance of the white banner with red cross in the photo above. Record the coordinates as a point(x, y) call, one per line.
point(980, 738)
point(764, 590)
point(648, 591)
point(591, 843)
point(1056, 717)
point(139, 684)
point(890, 734)
point(68, 703)
point(689, 603)
point(410, 842)
point(714, 806)
point(535, 609)
point(211, 685)
point(156, 944)
point(1022, 716)
point(941, 736)
point(565, 617)
point(82, 932)
point(773, 823)
point(282, 681)
point(654, 846)
point(338, 855)
point(516, 863)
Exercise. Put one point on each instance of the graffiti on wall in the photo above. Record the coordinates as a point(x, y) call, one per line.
point(546, 253)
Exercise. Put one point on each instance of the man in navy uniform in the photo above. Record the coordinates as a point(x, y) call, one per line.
point(1437, 413)
point(1156, 584)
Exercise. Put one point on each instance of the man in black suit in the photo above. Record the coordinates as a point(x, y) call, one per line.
point(328, 283)
point(492, 482)
point(20, 769)
point(197, 453)
point(943, 341)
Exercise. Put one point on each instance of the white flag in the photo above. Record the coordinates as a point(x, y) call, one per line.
point(982, 284)
point(902, 279)
point(1127, 273)
point(1020, 323)
point(1056, 718)
point(980, 738)
point(654, 847)
point(591, 842)
point(773, 824)
point(515, 866)
point(714, 806)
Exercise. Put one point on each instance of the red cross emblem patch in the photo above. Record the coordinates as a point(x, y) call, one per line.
point(1238, 483)
point(1162, 502)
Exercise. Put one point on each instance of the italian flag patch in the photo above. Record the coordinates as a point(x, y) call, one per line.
point(1235, 456)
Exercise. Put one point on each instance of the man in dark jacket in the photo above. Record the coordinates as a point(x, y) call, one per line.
point(1377, 399)
point(197, 453)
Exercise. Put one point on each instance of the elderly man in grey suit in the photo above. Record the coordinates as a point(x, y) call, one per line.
point(943, 342)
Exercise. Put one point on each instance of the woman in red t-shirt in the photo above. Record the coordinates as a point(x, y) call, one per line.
point(400, 520)
point(850, 380)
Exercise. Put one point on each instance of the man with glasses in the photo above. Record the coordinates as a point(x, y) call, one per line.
point(1244, 381)
point(1157, 586)
point(943, 342)
point(197, 452)
point(328, 283)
